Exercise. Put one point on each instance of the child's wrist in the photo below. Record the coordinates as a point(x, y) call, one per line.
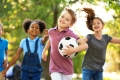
point(45, 36)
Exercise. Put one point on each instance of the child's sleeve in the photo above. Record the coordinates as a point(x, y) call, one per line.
point(22, 43)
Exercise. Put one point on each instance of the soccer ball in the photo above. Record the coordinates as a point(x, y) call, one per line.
point(67, 41)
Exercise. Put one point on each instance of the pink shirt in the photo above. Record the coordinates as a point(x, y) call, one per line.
point(57, 62)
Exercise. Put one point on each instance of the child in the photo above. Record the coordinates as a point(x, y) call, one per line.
point(32, 47)
point(3, 51)
point(62, 68)
point(95, 55)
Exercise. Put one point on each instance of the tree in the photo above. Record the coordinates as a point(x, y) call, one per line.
point(13, 13)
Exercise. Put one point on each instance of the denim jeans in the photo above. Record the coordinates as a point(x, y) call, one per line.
point(30, 76)
point(91, 75)
point(31, 67)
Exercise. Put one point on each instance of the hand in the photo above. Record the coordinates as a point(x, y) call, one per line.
point(44, 56)
point(68, 50)
point(4, 72)
point(5, 62)
point(45, 33)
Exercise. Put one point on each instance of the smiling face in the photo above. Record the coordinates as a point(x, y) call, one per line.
point(65, 20)
point(34, 29)
point(97, 25)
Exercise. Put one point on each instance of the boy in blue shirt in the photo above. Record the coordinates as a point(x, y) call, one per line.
point(3, 51)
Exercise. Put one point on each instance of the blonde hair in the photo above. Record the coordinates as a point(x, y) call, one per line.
point(72, 13)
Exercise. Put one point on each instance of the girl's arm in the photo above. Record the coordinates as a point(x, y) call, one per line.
point(44, 55)
point(82, 45)
point(45, 37)
point(85, 39)
point(14, 59)
point(115, 40)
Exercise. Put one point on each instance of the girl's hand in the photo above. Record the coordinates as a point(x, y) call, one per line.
point(44, 56)
point(45, 37)
point(45, 33)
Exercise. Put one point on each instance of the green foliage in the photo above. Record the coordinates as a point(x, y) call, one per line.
point(5, 6)
point(77, 60)
point(113, 4)
point(14, 12)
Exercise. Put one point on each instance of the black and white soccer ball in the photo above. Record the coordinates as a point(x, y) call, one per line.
point(67, 41)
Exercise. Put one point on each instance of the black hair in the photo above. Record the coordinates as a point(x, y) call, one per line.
point(42, 25)
point(90, 17)
point(26, 24)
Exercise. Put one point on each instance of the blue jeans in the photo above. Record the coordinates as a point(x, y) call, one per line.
point(92, 75)
point(31, 67)
point(30, 76)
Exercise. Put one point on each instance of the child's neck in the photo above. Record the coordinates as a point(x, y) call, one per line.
point(32, 37)
point(98, 35)
point(61, 29)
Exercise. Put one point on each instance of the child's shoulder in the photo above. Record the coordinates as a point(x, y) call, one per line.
point(105, 35)
point(90, 35)
point(51, 29)
point(3, 39)
point(23, 40)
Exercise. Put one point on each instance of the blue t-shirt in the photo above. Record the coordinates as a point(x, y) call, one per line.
point(32, 46)
point(3, 48)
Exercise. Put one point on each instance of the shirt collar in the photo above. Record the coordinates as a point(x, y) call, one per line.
point(56, 28)
point(33, 39)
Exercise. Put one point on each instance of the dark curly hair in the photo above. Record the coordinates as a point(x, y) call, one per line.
point(41, 24)
point(90, 17)
point(27, 22)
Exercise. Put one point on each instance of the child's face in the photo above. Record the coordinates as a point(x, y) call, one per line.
point(97, 25)
point(65, 20)
point(1, 31)
point(34, 29)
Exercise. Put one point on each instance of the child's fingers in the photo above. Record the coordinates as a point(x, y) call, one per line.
point(4, 73)
point(44, 57)
point(4, 64)
point(45, 31)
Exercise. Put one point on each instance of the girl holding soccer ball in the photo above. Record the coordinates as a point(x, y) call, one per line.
point(62, 68)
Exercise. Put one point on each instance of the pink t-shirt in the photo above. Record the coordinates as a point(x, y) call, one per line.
point(57, 62)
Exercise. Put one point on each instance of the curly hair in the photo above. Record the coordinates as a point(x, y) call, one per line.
point(41, 24)
point(90, 17)
point(27, 22)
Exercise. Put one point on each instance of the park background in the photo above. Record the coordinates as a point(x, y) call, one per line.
point(14, 12)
